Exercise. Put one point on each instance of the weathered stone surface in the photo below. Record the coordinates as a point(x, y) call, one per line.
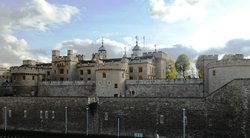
point(141, 115)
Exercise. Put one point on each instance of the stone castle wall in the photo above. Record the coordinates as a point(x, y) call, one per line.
point(228, 110)
point(133, 88)
point(149, 116)
point(66, 88)
point(165, 88)
point(223, 113)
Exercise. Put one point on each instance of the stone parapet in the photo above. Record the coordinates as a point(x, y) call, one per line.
point(166, 81)
point(227, 63)
point(50, 83)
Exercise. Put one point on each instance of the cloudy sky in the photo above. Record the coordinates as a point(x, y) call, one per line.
point(30, 29)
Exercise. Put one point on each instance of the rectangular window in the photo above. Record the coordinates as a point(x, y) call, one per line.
point(48, 73)
point(104, 75)
point(140, 69)
point(81, 72)
point(81, 79)
point(89, 78)
point(116, 85)
point(33, 77)
point(24, 77)
point(61, 71)
point(67, 71)
point(131, 78)
point(61, 79)
point(214, 73)
point(130, 69)
point(89, 71)
point(54, 71)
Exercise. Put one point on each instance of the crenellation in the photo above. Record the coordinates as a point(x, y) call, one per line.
point(226, 63)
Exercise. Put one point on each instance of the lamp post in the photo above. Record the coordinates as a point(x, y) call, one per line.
point(118, 126)
point(119, 115)
point(87, 120)
point(66, 120)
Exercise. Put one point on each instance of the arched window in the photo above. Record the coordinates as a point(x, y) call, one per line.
point(104, 75)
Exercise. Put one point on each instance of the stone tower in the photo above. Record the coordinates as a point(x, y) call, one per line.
point(207, 60)
point(160, 63)
point(110, 79)
point(64, 67)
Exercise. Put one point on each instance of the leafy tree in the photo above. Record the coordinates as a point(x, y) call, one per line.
point(182, 64)
point(200, 66)
point(171, 71)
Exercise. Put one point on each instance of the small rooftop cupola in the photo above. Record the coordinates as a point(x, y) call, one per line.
point(136, 50)
point(102, 48)
point(102, 51)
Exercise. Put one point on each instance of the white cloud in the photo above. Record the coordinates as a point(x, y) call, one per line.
point(216, 33)
point(36, 14)
point(178, 10)
point(14, 50)
point(88, 47)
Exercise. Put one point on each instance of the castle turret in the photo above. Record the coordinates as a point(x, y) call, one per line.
point(137, 52)
point(207, 59)
point(102, 52)
point(160, 63)
point(55, 54)
point(110, 79)
point(70, 53)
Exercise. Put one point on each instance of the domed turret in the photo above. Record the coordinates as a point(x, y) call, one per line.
point(102, 51)
point(136, 50)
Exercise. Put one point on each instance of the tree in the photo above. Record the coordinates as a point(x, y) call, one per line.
point(182, 64)
point(170, 70)
point(200, 66)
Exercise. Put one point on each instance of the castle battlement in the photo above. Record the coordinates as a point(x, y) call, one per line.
point(111, 66)
point(27, 70)
point(86, 64)
point(210, 57)
point(3, 69)
point(66, 83)
point(142, 60)
point(166, 81)
point(227, 63)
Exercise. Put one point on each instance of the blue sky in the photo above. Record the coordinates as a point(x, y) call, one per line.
point(30, 29)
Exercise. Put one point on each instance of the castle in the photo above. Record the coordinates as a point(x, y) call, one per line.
point(140, 75)
point(109, 75)
point(132, 97)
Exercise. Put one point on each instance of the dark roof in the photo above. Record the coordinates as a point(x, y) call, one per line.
point(86, 61)
point(140, 58)
point(44, 64)
point(136, 48)
point(102, 48)
point(112, 59)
